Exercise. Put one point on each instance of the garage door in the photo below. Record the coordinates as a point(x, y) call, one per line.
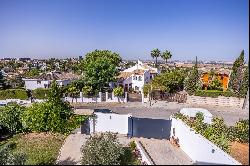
point(150, 128)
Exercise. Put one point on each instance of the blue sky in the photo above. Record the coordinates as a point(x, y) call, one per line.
point(209, 29)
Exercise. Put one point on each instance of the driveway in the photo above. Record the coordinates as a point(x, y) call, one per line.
point(70, 153)
point(163, 152)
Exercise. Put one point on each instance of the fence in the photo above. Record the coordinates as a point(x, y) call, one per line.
point(219, 101)
point(169, 97)
point(102, 97)
point(198, 148)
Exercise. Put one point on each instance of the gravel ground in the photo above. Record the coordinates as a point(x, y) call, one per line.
point(164, 153)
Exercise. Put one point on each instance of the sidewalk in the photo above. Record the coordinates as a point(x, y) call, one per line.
point(70, 153)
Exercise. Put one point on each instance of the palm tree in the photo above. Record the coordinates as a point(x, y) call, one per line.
point(166, 55)
point(155, 53)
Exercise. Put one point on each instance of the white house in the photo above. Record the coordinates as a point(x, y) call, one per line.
point(45, 80)
point(137, 76)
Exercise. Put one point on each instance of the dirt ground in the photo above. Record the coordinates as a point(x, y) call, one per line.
point(240, 152)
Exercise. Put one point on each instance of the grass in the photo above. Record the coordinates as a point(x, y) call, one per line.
point(40, 148)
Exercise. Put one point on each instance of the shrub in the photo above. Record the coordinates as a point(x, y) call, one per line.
point(40, 93)
point(103, 149)
point(214, 93)
point(13, 94)
point(10, 117)
point(241, 131)
point(9, 158)
point(87, 90)
point(215, 85)
point(146, 89)
point(48, 117)
point(118, 91)
point(132, 145)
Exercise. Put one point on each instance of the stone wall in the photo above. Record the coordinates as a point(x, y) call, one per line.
point(219, 101)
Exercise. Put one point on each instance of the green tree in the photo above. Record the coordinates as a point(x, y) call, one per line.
point(103, 149)
point(54, 115)
point(73, 92)
point(118, 91)
point(55, 93)
point(166, 55)
point(87, 90)
point(237, 74)
point(10, 117)
point(100, 68)
point(32, 73)
point(155, 53)
point(215, 85)
point(192, 81)
point(245, 82)
point(2, 81)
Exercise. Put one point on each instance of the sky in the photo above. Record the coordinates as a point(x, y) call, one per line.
point(209, 29)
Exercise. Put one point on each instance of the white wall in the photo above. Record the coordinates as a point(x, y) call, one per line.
point(105, 122)
point(32, 84)
point(198, 148)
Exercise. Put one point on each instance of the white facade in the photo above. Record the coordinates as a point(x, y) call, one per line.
point(32, 84)
point(138, 79)
point(197, 147)
point(109, 122)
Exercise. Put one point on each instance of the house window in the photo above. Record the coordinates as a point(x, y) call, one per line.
point(136, 88)
point(140, 78)
point(38, 82)
point(134, 78)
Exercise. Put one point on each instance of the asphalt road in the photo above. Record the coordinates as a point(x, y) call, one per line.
point(164, 111)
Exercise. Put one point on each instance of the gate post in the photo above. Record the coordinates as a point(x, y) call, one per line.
point(126, 96)
point(81, 96)
point(106, 96)
point(100, 96)
point(142, 97)
point(130, 126)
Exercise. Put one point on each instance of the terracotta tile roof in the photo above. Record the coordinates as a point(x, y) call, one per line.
point(152, 71)
point(57, 76)
point(139, 71)
point(124, 75)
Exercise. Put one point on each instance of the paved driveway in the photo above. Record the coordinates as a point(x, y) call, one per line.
point(164, 153)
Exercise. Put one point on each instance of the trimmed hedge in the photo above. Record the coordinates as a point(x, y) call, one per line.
point(214, 93)
point(13, 94)
point(40, 93)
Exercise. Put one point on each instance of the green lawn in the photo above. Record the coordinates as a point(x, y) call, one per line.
point(40, 148)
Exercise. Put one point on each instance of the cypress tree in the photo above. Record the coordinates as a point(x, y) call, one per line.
point(245, 82)
point(191, 83)
point(237, 74)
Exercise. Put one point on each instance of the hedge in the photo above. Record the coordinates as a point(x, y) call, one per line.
point(13, 94)
point(40, 93)
point(214, 93)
